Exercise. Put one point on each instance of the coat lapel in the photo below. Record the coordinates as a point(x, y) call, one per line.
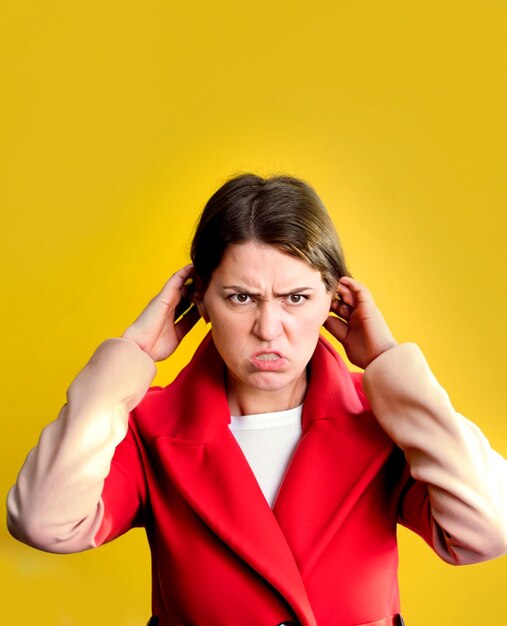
point(340, 453)
point(210, 470)
point(324, 480)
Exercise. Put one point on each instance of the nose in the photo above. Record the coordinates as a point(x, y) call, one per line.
point(268, 324)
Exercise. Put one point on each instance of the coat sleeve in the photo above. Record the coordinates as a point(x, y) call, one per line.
point(456, 497)
point(56, 503)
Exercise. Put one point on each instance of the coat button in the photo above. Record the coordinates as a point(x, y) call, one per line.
point(288, 624)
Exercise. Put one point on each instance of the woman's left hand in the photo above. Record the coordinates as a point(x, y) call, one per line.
point(362, 331)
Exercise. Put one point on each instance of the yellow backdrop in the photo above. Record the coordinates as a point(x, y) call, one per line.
point(120, 118)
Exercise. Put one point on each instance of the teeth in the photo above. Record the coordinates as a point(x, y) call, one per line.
point(271, 356)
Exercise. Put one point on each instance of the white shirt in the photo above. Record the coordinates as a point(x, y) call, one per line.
point(268, 441)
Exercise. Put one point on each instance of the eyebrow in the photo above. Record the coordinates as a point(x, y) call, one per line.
point(277, 295)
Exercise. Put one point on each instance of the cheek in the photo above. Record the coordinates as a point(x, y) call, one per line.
point(320, 312)
point(308, 327)
point(227, 325)
point(326, 308)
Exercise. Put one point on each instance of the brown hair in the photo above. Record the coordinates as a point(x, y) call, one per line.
point(281, 211)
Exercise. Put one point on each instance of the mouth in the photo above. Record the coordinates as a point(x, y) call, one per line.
point(268, 361)
point(268, 356)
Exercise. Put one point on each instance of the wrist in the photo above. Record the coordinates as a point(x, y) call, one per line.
point(384, 347)
point(133, 341)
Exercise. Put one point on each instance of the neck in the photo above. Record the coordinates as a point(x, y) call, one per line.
point(244, 400)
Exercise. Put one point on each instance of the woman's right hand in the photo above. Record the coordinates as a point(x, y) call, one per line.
point(155, 330)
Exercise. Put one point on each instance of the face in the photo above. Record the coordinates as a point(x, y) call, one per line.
point(266, 309)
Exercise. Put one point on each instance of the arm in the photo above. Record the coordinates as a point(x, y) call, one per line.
point(457, 496)
point(466, 480)
point(56, 503)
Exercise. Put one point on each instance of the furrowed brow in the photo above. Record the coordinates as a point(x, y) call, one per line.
point(252, 292)
point(241, 289)
point(294, 291)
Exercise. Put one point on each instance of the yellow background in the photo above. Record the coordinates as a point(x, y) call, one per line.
point(119, 119)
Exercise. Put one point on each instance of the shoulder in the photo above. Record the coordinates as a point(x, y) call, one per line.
point(333, 382)
point(335, 394)
point(196, 395)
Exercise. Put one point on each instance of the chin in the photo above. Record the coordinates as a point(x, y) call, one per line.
point(269, 381)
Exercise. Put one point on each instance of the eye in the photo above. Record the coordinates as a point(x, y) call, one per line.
point(240, 298)
point(296, 298)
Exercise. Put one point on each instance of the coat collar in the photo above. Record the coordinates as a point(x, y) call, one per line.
point(208, 467)
point(199, 393)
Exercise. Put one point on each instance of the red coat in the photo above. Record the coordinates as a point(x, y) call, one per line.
point(326, 554)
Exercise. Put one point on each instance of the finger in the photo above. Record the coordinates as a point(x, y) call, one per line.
point(337, 328)
point(360, 291)
point(177, 301)
point(170, 303)
point(176, 281)
point(342, 309)
point(346, 294)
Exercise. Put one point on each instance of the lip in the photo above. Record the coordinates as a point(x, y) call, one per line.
point(268, 366)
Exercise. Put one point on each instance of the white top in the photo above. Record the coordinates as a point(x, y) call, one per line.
point(268, 441)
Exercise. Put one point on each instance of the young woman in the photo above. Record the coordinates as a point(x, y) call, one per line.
point(269, 478)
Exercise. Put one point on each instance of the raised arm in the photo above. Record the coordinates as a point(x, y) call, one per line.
point(56, 503)
point(466, 480)
point(453, 467)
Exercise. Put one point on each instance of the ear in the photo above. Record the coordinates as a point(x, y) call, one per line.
point(333, 298)
point(198, 299)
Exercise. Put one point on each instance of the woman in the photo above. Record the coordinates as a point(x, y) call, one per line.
point(269, 478)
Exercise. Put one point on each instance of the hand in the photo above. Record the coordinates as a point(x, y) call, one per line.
point(155, 330)
point(362, 331)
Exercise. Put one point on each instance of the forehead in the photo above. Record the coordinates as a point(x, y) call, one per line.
point(258, 264)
